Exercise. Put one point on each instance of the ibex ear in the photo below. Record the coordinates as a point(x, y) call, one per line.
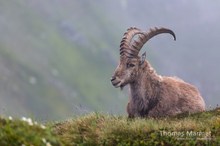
point(143, 57)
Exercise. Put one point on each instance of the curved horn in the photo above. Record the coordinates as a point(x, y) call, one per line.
point(142, 39)
point(125, 45)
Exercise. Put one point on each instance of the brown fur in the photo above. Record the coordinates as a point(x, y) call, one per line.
point(152, 95)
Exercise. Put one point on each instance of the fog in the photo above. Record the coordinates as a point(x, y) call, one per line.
point(62, 53)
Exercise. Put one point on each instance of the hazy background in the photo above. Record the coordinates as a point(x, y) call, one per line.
point(57, 56)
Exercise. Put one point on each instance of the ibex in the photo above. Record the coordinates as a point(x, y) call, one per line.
point(151, 95)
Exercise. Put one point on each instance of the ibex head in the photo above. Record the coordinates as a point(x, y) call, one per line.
point(130, 63)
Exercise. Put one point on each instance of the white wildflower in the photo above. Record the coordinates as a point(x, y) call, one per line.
point(10, 118)
point(48, 144)
point(42, 126)
point(44, 140)
point(24, 119)
point(29, 121)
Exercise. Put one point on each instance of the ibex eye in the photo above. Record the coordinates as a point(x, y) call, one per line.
point(129, 65)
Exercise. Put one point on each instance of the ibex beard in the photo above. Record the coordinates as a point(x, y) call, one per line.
point(151, 95)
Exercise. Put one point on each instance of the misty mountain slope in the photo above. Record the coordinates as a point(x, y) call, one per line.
point(57, 56)
point(49, 64)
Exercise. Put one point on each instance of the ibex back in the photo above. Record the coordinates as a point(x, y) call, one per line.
point(151, 95)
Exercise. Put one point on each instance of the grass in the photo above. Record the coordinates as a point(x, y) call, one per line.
point(26, 133)
point(104, 129)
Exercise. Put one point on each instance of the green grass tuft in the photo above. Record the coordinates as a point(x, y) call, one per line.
point(101, 129)
point(105, 129)
point(18, 133)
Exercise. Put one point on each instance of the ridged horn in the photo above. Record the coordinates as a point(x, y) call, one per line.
point(125, 45)
point(142, 39)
